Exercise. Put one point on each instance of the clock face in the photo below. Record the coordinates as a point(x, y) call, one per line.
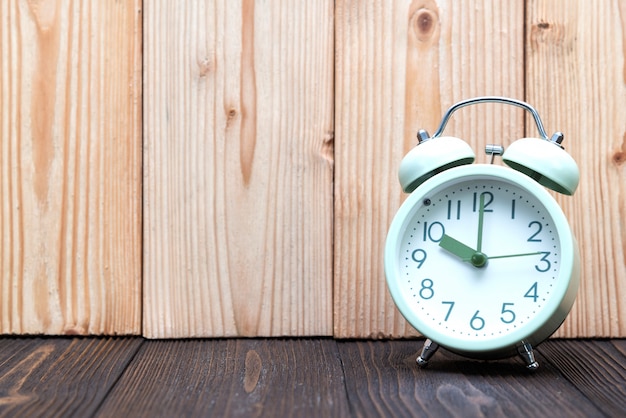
point(477, 258)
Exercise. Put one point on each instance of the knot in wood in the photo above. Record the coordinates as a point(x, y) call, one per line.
point(619, 156)
point(543, 32)
point(424, 22)
point(253, 367)
point(232, 113)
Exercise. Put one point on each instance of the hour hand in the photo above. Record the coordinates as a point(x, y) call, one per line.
point(457, 248)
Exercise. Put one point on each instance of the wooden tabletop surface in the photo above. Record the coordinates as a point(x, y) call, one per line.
point(131, 377)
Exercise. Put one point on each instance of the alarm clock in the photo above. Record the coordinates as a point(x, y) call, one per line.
point(480, 258)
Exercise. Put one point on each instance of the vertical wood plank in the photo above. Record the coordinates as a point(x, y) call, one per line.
point(399, 66)
point(238, 159)
point(70, 161)
point(576, 77)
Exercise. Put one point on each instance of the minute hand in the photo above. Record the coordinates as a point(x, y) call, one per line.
point(515, 255)
point(481, 220)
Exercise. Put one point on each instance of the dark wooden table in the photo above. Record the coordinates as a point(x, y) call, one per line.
point(122, 377)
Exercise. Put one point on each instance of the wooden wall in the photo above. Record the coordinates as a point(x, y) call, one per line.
point(398, 68)
point(576, 71)
point(238, 131)
point(70, 167)
point(228, 168)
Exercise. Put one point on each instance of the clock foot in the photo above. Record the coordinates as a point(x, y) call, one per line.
point(428, 350)
point(525, 351)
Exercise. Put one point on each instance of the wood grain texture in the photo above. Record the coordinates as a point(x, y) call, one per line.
point(597, 369)
point(247, 378)
point(238, 168)
point(60, 377)
point(275, 377)
point(382, 379)
point(70, 167)
point(399, 66)
point(576, 77)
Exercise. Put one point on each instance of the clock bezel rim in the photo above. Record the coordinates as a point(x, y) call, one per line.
point(551, 315)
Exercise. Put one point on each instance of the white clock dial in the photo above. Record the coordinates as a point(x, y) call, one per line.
point(520, 244)
point(475, 261)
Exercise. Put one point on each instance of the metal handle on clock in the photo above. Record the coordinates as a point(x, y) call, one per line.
point(492, 99)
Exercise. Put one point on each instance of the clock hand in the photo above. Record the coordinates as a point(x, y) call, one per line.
point(515, 255)
point(481, 217)
point(464, 252)
point(456, 247)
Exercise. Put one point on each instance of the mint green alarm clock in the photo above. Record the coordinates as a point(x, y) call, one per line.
point(480, 258)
